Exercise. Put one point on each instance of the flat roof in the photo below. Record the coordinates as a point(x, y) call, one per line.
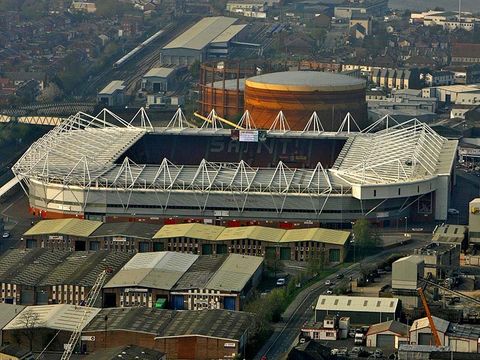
point(229, 33)
point(126, 229)
point(327, 236)
point(59, 317)
point(448, 233)
point(223, 324)
point(72, 227)
point(356, 303)
point(235, 272)
point(202, 33)
point(159, 72)
point(305, 81)
point(253, 232)
point(112, 87)
point(190, 230)
point(158, 270)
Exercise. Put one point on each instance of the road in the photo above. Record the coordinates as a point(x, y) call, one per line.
point(286, 332)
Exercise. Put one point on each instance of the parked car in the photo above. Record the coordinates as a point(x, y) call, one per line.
point(329, 291)
point(281, 282)
point(351, 333)
point(5, 235)
point(378, 353)
point(453, 212)
point(340, 276)
point(328, 282)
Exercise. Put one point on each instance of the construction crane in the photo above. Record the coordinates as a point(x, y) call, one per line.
point(436, 338)
point(90, 300)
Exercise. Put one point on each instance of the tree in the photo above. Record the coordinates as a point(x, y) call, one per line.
point(364, 236)
point(29, 321)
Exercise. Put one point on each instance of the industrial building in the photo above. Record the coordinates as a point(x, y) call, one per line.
point(158, 79)
point(440, 259)
point(371, 7)
point(124, 236)
point(208, 334)
point(211, 37)
point(458, 337)
point(361, 310)
point(388, 335)
point(113, 94)
point(53, 322)
point(300, 93)
point(60, 234)
point(184, 281)
point(286, 244)
point(451, 234)
point(282, 176)
point(47, 276)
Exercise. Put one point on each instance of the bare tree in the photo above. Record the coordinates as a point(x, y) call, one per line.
point(29, 321)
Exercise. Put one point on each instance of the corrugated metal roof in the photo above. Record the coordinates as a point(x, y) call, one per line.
point(159, 270)
point(255, 232)
point(191, 230)
point(112, 87)
point(356, 303)
point(234, 273)
point(131, 229)
point(159, 72)
point(58, 317)
point(73, 227)
point(202, 33)
point(198, 275)
point(8, 312)
point(229, 34)
point(440, 324)
point(328, 236)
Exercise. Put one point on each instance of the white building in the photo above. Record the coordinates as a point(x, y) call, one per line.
point(388, 335)
point(448, 20)
point(440, 78)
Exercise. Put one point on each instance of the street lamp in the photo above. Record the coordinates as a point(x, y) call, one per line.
point(406, 224)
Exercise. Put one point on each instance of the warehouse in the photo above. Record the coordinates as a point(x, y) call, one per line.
point(7, 313)
point(158, 79)
point(22, 270)
point(388, 335)
point(208, 334)
point(184, 281)
point(60, 234)
point(71, 280)
point(421, 334)
point(190, 237)
point(42, 276)
point(361, 310)
point(36, 325)
point(227, 287)
point(146, 279)
point(125, 236)
point(113, 94)
point(211, 36)
point(451, 234)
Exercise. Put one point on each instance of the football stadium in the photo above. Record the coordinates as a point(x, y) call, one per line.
point(106, 168)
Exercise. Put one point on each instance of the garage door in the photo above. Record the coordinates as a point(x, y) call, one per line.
point(425, 339)
point(386, 341)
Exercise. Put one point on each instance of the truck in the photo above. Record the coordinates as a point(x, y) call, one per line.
point(360, 337)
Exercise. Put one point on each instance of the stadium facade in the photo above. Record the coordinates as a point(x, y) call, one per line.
point(103, 167)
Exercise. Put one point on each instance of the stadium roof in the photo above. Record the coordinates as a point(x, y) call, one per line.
point(202, 33)
point(71, 227)
point(222, 324)
point(190, 230)
point(328, 236)
point(159, 270)
point(83, 152)
point(59, 317)
point(234, 273)
point(356, 303)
